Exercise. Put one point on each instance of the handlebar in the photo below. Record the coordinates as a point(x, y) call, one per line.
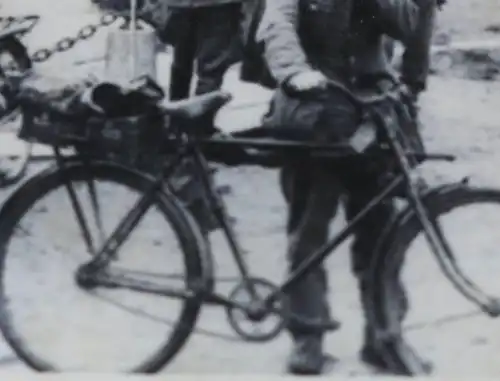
point(393, 93)
point(396, 92)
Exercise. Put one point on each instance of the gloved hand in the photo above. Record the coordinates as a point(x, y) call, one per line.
point(307, 80)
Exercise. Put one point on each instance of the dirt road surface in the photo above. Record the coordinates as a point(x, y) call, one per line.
point(459, 116)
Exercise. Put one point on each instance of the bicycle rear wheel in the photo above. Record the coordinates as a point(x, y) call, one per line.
point(62, 327)
point(459, 338)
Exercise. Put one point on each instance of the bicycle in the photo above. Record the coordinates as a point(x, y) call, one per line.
point(255, 146)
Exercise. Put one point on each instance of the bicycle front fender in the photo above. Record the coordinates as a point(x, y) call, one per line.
point(382, 276)
point(400, 219)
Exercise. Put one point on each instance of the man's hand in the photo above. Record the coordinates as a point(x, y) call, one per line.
point(307, 80)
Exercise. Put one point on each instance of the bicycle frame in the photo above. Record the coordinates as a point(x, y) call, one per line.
point(193, 148)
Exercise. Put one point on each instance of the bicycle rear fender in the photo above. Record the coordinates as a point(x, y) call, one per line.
point(35, 182)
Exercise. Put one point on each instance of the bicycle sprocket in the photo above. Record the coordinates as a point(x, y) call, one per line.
point(258, 323)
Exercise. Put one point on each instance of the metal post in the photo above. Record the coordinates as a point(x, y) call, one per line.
point(133, 35)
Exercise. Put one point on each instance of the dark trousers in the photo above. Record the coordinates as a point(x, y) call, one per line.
point(205, 40)
point(205, 37)
point(313, 194)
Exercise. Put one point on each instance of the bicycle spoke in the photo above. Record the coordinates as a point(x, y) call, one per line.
point(106, 331)
point(95, 205)
point(80, 217)
point(122, 232)
point(77, 208)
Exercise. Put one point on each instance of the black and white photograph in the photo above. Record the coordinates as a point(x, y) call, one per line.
point(250, 187)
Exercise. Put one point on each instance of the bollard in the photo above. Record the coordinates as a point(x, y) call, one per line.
point(130, 53)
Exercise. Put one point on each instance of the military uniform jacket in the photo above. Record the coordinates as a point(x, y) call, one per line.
point(333, 37)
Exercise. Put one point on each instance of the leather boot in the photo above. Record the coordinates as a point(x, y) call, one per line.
point(371, 355)
point(307, 356)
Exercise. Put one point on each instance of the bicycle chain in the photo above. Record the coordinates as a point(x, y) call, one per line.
point(67, 43)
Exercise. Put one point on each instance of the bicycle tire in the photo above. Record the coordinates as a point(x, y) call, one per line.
point(23, 63)
point(197, 259)
point(399, 355)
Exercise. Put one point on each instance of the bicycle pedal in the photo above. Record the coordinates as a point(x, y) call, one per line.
point(492, 308)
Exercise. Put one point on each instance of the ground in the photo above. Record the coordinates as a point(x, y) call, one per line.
point(459, 116)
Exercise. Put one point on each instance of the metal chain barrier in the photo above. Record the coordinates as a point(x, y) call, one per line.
point(67, 43)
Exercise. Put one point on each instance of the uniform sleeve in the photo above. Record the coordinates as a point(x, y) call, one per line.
point(397, 18)
point(412, 23)
point(416, 56)
point(278, 32)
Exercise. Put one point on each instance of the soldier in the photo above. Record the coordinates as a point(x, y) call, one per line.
point(204, 35)
point(345, 41)
point(205, 32)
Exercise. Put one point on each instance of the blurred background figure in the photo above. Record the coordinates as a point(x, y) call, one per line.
point(204, 35)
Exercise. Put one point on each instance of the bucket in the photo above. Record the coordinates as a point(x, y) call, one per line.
point(130, 53)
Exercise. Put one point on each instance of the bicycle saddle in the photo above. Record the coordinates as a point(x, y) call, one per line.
point(197, 106)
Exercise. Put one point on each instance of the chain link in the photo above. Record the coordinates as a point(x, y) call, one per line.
point(67, 43)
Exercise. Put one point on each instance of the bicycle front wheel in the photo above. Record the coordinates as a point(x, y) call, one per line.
point(54, 325)
point(420, 309)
